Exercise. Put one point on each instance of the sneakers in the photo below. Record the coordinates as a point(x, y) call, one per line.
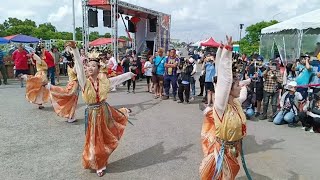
point(192, 99)
point(270, 120)
point(165, 97)
point(180, 102)
point(71, 120)
point(174, 98)
point(263, 117)
point(200, 95)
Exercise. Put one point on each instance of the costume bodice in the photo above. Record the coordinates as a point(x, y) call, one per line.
point(232, 125)
point(92, 95)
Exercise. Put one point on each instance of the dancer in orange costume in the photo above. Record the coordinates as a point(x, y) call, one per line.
point(36, 92)
point(65, 99)
point(104, 125)
point(224, 125)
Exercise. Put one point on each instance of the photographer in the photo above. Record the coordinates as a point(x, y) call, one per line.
point(272, 85)
point(288, 104)
point(304, 74)
point(185, 81)
point(210, 71)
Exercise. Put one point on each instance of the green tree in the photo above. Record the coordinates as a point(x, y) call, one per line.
point(107, 35)
point(47, 27)
point(20, 29)
point(60, 44)
point(79, 33)
point(94, 35)
point(250, 43)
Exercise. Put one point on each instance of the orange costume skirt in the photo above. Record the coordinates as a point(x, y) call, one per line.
point(36, 93)
point(218, 163)
point(65, 100)
point(104, 127)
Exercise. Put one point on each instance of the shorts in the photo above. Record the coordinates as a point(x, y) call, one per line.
point(157, 79)
point(57, 69)
point(148, 79)
point(22, 71)
point(209, 86)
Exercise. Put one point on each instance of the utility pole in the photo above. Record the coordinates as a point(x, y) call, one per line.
point(240, 27)
point(73, 22)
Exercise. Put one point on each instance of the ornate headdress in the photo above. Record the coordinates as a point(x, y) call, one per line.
point(93, 55)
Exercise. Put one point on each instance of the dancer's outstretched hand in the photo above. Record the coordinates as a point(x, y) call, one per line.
point(229, 40)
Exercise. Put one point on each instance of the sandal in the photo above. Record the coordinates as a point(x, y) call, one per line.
point(100, 174)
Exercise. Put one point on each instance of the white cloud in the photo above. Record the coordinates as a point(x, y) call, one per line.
point(60, 14)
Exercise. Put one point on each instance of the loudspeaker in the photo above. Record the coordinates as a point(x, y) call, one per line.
point(107, 18)
point(131, 27)
point(153, 25)
point(150, 45)
point(92, 18)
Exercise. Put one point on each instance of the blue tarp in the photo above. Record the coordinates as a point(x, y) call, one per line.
point(3, 41)
point(20, 38)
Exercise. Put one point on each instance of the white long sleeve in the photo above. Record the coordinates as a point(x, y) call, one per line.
point(37, 58)
point(243, 94)
point(217, 60)
point(120, 79)
point(245, 82)
point(224, 81)
point(78, 66)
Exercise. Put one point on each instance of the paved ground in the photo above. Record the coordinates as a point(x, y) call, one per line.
point(164, 142)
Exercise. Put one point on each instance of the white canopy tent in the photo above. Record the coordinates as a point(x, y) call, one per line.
point(198, 43)
point(292, 37)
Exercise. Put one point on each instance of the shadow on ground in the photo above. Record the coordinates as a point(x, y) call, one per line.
point(148, 157)
point(256, 176)
point(250, 145)
point(145, 105)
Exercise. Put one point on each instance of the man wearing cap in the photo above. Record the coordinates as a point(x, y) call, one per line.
point(289, 106)
point(20, 58)
point(272, 83)
point(304, 75)
point(184, 86)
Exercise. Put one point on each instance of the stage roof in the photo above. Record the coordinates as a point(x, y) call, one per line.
point(126, 8)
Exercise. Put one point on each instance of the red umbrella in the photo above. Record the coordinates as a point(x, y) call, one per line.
point(210, 43)
point(103, 41)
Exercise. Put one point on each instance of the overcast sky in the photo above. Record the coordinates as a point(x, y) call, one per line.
point(191, 20)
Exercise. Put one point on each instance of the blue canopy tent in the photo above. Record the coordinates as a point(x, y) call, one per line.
point(3, 41)
point(20, 38)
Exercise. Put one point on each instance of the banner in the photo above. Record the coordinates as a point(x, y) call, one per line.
point(164, 31)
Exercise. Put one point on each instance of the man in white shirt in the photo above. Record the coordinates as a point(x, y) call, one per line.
point(112, 63)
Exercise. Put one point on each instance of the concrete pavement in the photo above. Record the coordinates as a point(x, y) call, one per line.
point(163, 143)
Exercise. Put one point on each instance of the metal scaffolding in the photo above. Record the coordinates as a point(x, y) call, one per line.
point(114, 27)
point(85, 25)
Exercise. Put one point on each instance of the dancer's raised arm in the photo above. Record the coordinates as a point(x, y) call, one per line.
point(224, 79)
point(78, 66)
